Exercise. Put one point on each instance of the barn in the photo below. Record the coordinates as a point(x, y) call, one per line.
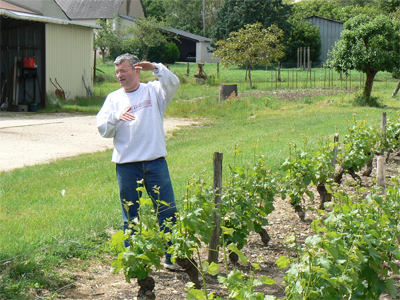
point(41, 55)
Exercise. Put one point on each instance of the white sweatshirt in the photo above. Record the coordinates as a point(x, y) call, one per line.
point(142, 139)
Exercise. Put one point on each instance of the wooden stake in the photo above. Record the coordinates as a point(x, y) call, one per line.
point(381, 171)
point(217, 187)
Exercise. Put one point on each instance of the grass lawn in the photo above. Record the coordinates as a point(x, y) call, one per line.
point(34, 214)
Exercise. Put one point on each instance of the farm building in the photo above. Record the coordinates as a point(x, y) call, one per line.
point(192, 47)
point(329, 32)
point(44, 50)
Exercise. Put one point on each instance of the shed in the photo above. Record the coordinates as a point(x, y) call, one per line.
point(329, 31)
point(62, 52)
point(192, 47)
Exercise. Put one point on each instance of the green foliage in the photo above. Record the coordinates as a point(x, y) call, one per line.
point(106, 38)
point(299, 174)
point(171, 53)
point(145, 34)
point(359, 146)
point(353, 252)
point(236, 14)
point(251, 46)
point(332, 9)
point(243, 287)
point(247, 200)
point(154, 9)
point(194, 220)
point(147, 243)
point(368, 45)
point(303, 35)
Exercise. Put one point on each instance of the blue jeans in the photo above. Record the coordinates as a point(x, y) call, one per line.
point(154, 173)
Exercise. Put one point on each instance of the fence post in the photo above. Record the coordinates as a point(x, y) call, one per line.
point(380, 171)
point(335, 150)
point(383, 131)
point(217, 188)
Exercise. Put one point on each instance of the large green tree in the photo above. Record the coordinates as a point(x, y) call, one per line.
point(106, 37)
point(332, 9)
point(235, 14)
point(368, 45)
point(145, 34)
point(251, 46)
point(304, 34)
point(195, 16)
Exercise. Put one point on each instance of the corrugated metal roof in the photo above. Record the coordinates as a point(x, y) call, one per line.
point(185, 34)
point(90, 9)
point(188, 35)
point(9, 6)
point(30, 17)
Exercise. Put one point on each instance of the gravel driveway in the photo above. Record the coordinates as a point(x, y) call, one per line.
point(33, 138)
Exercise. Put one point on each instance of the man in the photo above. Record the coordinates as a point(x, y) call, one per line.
point(133, 117)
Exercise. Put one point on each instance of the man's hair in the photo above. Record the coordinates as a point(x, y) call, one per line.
point(133, 59)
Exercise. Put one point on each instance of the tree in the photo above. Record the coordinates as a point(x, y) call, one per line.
point(188, 15)
point(106, 37)
point(251, 46)
point(145, 34)
point(304, 34)
point(235, 14)
point(154, 9)
point(331, 10)
point(368, 45)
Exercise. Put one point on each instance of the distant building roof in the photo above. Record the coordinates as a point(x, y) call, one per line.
point(317, 17)
point(36, 18)
point(90, 9)
point(188, 35)
point(9, 6)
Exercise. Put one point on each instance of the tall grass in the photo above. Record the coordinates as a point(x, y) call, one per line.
point(45, 204)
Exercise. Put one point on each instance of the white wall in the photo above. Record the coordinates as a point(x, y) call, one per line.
point(202, 54)
point(69, 56)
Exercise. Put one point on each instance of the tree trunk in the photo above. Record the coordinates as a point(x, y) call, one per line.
point(265, 238)
point(146, 291)
point(369, 83)
point(325, 196)
point(355, 176)
point(339, 175)
point(103, 54)
point(251, 83)
point(190, 267)
point(300, 212)
point(369, 168)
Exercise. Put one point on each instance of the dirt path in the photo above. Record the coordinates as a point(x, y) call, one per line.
point(28, 139)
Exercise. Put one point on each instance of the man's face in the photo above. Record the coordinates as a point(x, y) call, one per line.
point(127, 77)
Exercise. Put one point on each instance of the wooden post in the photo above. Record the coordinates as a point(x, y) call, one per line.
point(335, 150)
point(217, 188)
point(380, 171)
point(383, 125)
point(94, 63)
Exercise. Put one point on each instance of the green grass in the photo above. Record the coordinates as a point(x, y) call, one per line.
point(35, 212)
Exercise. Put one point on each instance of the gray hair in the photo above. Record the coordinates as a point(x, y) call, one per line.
point(133, 59)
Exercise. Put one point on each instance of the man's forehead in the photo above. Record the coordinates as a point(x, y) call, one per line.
point(125, 63)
